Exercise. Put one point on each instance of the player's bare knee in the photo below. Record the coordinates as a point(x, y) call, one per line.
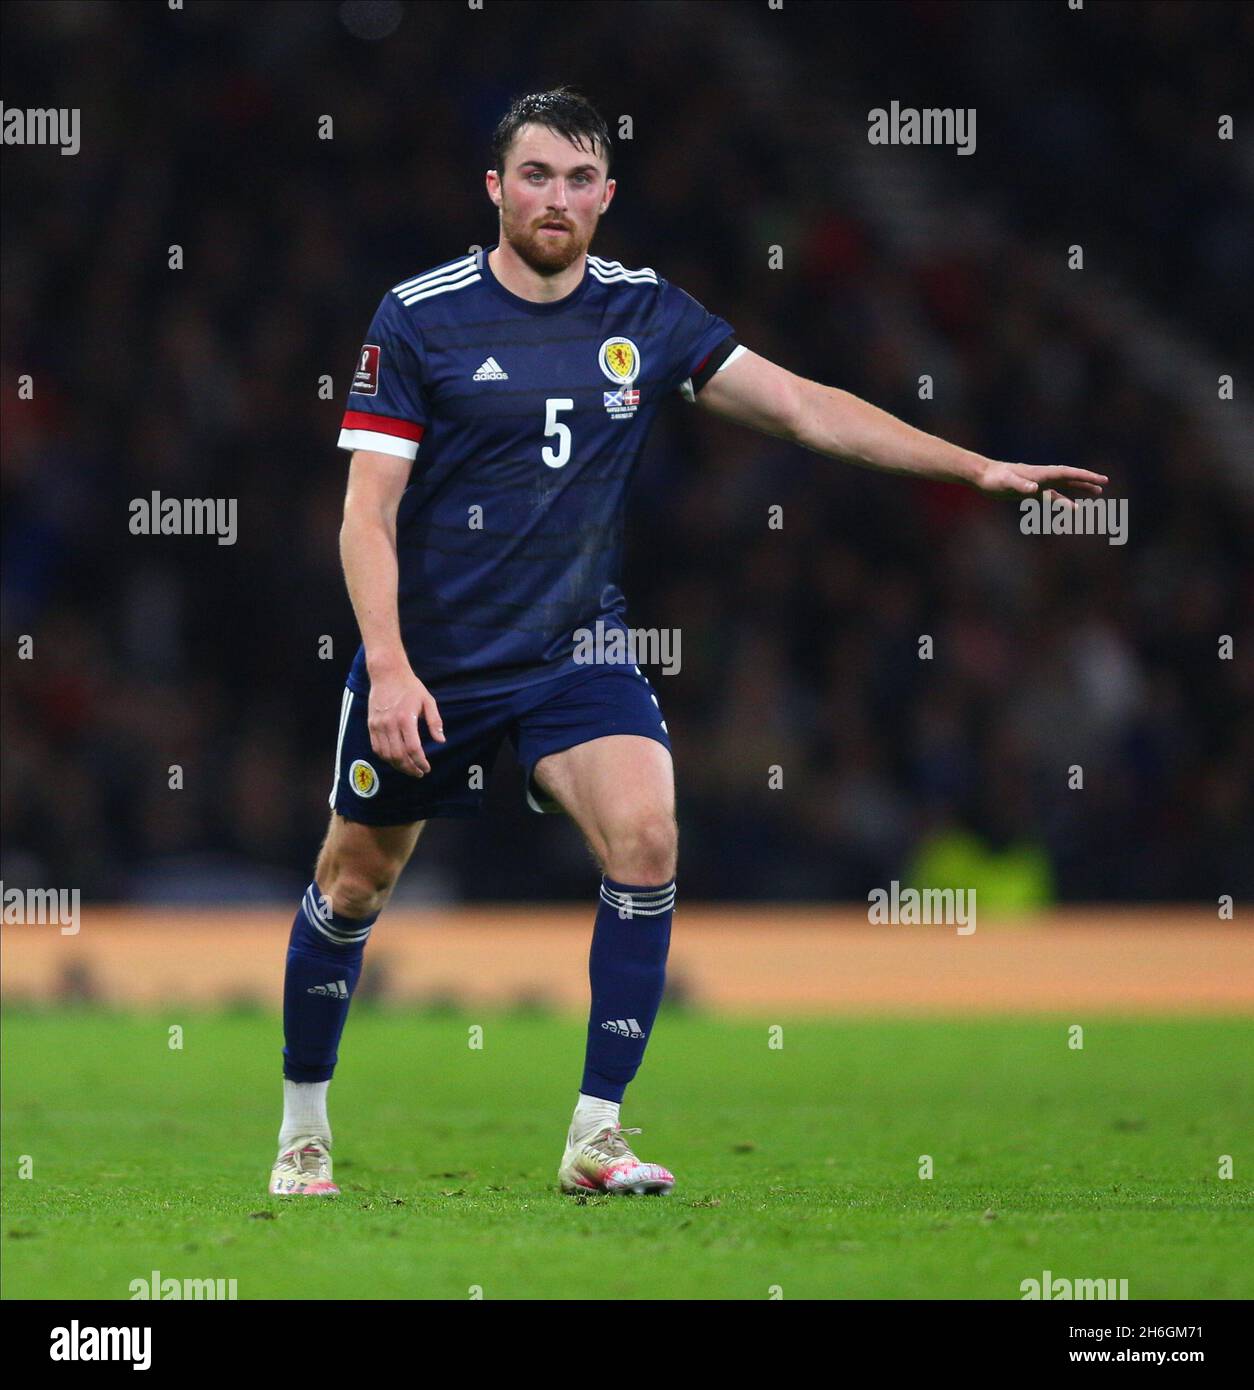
point(358, 890)
point(358, 866)
point(355, 884)
point(644, 852)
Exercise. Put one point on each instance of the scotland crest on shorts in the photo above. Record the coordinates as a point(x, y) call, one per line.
point(363, 778)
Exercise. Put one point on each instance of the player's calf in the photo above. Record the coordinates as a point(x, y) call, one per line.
point(324, 962)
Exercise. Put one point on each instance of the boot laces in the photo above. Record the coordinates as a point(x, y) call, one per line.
point(307, 1157)
point(611, 1144)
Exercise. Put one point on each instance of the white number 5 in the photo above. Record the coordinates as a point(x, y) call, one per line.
point(552, 425)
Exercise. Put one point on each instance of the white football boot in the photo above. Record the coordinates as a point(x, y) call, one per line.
point(600, 1161)
point(303, 1169)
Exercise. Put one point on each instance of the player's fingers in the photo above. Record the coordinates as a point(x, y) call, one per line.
point(386, 746)
point(387, 742)
point(431, 713)
point(413, 759)
point(1014, 481)
point(1076, 476)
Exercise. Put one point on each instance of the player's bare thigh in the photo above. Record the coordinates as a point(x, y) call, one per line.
point(620, 791)
point(358, 865)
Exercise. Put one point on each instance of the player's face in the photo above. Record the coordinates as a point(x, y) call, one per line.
point(551, 196)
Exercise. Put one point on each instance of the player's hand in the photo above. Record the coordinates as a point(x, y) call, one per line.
point(397, 701)
point(1031, 480)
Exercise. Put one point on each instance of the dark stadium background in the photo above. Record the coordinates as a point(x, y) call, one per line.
point(199, 128)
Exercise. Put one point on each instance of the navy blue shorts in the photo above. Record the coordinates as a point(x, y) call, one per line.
point(584, 703)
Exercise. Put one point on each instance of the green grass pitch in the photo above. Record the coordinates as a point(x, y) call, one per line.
point(797, 1166)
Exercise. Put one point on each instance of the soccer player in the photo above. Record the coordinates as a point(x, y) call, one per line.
point(498, 409)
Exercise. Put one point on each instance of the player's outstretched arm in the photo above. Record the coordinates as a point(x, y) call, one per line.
point(754, 392)
point(368, 553)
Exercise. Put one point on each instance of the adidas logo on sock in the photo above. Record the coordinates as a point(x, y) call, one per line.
point(626, 1027)
point(491, 371)
point(337, 989)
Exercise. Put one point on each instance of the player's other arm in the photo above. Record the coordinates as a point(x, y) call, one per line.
point(752, 391)
point(368, 554)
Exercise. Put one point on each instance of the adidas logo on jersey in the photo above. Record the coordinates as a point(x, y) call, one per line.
point(491, 371)
point(337, 989)
point(625, 1027)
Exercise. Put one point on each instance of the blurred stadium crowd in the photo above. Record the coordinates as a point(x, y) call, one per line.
point(800, 647)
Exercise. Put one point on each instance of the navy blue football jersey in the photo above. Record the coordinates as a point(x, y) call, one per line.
point(525, 422)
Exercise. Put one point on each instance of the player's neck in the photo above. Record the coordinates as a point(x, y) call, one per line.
point(519, 278)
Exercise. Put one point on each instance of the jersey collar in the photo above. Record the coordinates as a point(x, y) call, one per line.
point(529, 306)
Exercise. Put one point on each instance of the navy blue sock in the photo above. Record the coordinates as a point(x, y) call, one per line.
point(323, 962)
point(627, 968)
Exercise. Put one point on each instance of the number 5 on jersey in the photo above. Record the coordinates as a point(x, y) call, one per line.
point(555, 458)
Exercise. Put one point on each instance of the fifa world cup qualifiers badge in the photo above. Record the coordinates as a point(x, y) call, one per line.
point(366, 377)
point(619, 359)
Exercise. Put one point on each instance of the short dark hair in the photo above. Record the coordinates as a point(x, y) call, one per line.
point(563, 110)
